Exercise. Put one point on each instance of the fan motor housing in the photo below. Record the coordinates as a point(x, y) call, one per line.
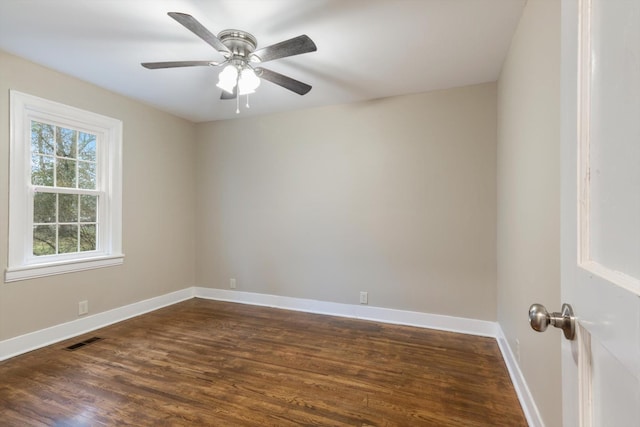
point(239, 42)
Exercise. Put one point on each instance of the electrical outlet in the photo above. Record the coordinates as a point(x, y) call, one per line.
point(364, 297)
point(83, 308)
point(232, 283)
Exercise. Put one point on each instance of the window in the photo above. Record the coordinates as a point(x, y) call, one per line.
point(65, 206)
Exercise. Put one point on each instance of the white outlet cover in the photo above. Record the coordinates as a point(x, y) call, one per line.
point(83, 307)
point(364, 297)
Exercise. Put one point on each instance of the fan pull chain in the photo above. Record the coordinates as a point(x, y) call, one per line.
point(248, 101)
point(238, 91)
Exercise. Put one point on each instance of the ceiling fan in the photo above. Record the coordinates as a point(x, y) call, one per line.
point(241, 74)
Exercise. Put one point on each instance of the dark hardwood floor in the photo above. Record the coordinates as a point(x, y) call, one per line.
point(205, 362)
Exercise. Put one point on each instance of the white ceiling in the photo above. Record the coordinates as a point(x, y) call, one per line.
point(367, 49)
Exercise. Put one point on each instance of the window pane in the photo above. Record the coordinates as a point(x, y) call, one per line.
point(66, 173)
point(67, 208)
point(41, 138)
point(88, 208)
point(66, 142)
point(67, 239)
point(44, 207)
point(87, 175)
point(86, 146)
point(87, 238)
point(41, 170)
point(44, 240)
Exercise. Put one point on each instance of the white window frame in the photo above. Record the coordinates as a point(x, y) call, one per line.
point(22, 264)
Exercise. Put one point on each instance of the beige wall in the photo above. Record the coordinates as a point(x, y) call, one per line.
point(158, 199)
point(395, 197)
point(529, 198)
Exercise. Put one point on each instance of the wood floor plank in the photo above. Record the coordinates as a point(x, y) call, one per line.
point(204, 362)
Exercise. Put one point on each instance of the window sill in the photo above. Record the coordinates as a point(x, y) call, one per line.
point(42, 270)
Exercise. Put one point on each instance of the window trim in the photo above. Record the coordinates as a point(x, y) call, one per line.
point(21, 264)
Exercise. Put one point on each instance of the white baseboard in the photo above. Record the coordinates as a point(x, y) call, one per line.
point(31, 341)
point(527, 402)
point(366, 312)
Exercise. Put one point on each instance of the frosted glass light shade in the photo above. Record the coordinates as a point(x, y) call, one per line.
point(228, 78)
point(248, 82)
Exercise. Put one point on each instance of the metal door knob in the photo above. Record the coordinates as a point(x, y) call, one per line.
point(539, 319)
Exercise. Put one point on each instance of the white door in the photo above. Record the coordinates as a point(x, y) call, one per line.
point(601, 211)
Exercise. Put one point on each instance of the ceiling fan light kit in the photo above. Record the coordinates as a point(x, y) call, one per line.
point(239, 76)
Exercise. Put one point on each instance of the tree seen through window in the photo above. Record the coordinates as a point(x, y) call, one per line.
point(63, 173)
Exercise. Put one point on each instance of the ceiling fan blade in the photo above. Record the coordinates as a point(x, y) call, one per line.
point(226, 95)
point(199, 30)
point(284, 81)
point(294, 46)
point(176, 64)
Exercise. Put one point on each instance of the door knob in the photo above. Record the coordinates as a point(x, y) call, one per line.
point(539, 319)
